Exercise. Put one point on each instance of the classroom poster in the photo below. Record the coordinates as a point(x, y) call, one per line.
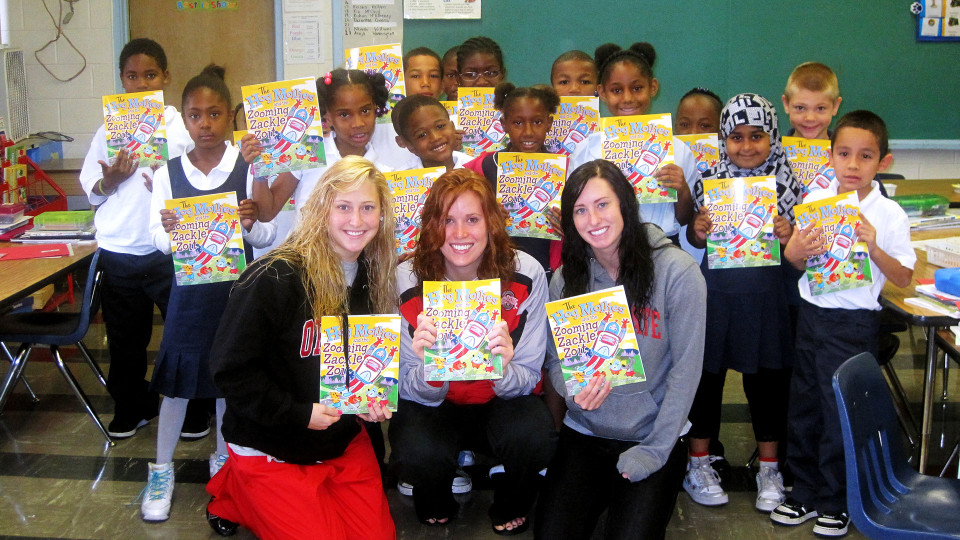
point(386, 60)
point(939, 20)
point(207, 244)
point(367, 22)
point(810, 161)
point(135, 122)
point(528, 186)
point(846, 262)
point(742, 210)
point(410, 189)
point(285, 118)
point(576, 119)
point(441, 9)
point(595, 337)
point(464, 312)
point(640, 145)
point(705, 148)
point(480, 121)
point(374, 361)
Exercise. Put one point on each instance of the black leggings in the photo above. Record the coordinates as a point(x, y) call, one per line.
point(767, 393)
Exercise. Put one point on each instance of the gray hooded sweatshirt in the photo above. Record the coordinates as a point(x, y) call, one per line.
point(670, 333)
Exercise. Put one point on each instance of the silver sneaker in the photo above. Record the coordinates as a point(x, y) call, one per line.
point(769, 489)
point(702, 483)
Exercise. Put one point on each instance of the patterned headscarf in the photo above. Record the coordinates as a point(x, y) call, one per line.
point(755, 110)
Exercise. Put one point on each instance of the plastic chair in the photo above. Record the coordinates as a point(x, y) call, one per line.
point(55, 330)
point(886, 498)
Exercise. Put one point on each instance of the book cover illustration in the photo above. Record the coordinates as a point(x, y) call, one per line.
point(373, 374)
point(410, 189)
point(285, 118)
point(595, 337)
point(14, 188)
point(640, 145)
point(464, 312)
point(453, 109)
point(384, 59)
point(480, 121)
point(237, 136)
point(705, 148)
point(810, 161)
point(742, 211)
point(527, 186)
point(577, 118)
point(845, 264)
point(207, 244)
point(135, 122)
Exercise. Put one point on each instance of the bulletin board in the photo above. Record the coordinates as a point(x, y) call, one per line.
point(241, 40)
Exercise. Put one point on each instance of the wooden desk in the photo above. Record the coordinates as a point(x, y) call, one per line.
point(22, 277)
point(937, 187)
point(893, 297)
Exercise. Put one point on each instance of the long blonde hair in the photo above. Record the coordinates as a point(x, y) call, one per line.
point(310, 247)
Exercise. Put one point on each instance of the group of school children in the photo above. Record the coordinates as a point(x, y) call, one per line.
point(286, 466)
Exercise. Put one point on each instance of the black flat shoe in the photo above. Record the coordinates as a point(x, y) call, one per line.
point(221, 526)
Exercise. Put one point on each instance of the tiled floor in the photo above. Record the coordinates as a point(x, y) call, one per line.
point(58, 479)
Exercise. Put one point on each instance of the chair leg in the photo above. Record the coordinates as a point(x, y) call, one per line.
point(753, 457)
point(72, 381)
point(85, 352)
point(901, 405)
point(15, 373)
point(946, 373)
point(26, 385)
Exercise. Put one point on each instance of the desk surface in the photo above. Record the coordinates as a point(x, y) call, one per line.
point(21, 277)
point(893, 296)
point(937, 187)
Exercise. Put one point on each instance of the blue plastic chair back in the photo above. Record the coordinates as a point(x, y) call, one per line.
point(886, 498)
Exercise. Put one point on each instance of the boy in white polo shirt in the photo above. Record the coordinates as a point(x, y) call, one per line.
point(834, 327)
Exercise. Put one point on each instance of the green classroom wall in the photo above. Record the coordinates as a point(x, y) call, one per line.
point(735, 46)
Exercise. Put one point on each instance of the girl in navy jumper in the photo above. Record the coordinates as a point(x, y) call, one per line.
point(181, 371)
point(297, 469)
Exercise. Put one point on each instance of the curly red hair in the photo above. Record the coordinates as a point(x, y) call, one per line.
point(498, 257)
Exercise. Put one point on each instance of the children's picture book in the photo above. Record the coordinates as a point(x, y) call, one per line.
point(410, 189)
point(464, 312)
point(528, 185)
point(285, 118)
point(810, 161)
point(577, 118)
point(705, 148)
point(640, 145)
point(846, 264)
point(453, 109)
point(480, 121)
point(135, 122)
point(595, 337)
point(742, 211)
point(207, 244)
point(373, 374)
point(385, 59)
point(14, 188)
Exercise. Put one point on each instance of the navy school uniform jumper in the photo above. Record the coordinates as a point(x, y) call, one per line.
point(182, 366)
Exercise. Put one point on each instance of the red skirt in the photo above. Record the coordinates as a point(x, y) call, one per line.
point(338, 498)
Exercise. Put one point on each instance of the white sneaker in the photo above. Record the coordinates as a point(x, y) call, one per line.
point(769, 489)
point(405, 488)
point(461, 482)
point(216, 463)
point(466, 458)
point(703, 483)
point(159, 493)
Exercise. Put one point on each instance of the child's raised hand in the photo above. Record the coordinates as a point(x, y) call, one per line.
point(113, 175)
point(594, 393)
point(424, 336)
point(553, 216)
point(782, 228)
point(250, 148)
point(248, 212)
point(702, 223)
point(866, 233)
point(378, 412)
point(323, 417)
point(500, 342)
point(671, 176)
point(169, 219)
